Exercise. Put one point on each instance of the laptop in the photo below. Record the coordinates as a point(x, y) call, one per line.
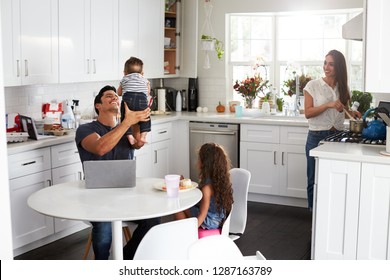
point(109, 174)
point(28, 126)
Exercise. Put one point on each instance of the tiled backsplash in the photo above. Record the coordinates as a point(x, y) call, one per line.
point(28, 100)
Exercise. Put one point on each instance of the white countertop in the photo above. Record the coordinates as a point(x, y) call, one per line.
point(226, 117)
point(351, 152)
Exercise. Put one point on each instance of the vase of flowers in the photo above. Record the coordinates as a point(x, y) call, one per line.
point(289, 86)
point(250, 88)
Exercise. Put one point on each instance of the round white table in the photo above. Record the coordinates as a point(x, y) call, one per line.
point(74, 202)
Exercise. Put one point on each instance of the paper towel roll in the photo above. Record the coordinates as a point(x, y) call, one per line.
point(161, 99)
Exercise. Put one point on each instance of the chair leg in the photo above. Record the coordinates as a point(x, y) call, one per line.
point(88, 246)
point(127, 234)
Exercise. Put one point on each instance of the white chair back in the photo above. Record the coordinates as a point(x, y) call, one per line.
point(240, 183)
point(168, 241)
point(226, 225)
point(214, 247)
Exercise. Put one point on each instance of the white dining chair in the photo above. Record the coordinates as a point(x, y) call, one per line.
point(214, 247)
point(224, 230)
point(240, 179)
point(168, 241)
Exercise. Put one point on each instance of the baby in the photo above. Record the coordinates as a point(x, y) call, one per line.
point(135, 89)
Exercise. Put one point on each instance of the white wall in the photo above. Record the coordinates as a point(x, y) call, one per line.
point(212, 82)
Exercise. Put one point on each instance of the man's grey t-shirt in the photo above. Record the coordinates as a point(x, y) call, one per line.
point(123, 150)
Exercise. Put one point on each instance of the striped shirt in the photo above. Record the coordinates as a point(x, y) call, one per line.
point(134, 82)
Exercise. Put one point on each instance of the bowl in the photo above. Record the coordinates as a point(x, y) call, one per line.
point(58, 132)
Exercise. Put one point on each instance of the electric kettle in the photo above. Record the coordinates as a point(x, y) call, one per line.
point(374, 129)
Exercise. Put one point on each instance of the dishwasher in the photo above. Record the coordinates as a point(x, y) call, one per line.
point(223, 134)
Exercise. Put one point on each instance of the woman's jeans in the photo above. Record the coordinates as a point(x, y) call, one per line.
point(313, 138)
point(102, 237)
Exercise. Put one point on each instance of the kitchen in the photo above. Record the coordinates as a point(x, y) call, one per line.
point(212, 82)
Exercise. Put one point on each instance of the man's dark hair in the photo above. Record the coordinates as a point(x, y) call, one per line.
point(98, 98)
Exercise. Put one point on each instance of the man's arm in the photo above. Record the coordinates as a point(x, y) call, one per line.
point(100, 145)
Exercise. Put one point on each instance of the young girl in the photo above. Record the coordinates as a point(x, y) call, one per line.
point(217, 200)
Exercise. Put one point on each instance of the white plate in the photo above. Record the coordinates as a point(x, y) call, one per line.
point(161, 187)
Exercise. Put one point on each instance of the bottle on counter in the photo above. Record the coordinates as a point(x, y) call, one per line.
point(67, 118)
point(76, 113)
point(178, 101)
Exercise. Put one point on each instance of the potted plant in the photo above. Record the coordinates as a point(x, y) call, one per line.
point(250, 87)
point(289, 86)
point(210, 43)
point(364, 99)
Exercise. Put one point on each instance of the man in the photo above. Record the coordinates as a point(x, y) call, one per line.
point(105, 139)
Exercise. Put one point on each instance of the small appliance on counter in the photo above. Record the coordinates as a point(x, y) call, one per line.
point(192, 94)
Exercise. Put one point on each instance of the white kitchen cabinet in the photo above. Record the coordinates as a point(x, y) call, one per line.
point(183, 58)
point(66, 167)
point(28, 173)
point(377, 46)
point(27, 224)
point(154, 159)
point(88, 40)
point(128, 32)
point(160, 159)
point(337, 204)
point(151, 37)
point(374, 221)
point(352, 206)
point(30, 41)
point(275, 156)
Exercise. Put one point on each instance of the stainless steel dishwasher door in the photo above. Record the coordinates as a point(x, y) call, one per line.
point(226, 135)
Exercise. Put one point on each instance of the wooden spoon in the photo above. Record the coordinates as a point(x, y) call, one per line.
point(348, 114)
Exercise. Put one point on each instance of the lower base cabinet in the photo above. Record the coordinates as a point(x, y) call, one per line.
point(27, 224)
point(275, 156)
point(352, 211)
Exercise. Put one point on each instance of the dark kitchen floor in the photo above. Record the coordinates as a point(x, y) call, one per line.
point(279, 232)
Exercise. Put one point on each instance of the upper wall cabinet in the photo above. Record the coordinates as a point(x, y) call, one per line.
point(151, 37)
point(141, 35)
point(30, 41)
point(180, 39)
point(128, 32)
point(88, 40)
point(377, 71)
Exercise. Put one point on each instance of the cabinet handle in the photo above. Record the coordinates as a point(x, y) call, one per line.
point(17, 68)
point(155, 156)
point(162, 132)
point(282, 158)
point(94, 66)
point(87, 66)
point(80, 175)
point(274, 157)
point(49, 182)
point(26, 67)
point(28, 163)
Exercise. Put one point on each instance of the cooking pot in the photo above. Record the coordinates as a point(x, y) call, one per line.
point(355, 126)
point(375, 129)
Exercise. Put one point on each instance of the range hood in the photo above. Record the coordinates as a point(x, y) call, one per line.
point(353, 29)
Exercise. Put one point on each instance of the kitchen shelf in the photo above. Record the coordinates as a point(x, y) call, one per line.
point(170, 31)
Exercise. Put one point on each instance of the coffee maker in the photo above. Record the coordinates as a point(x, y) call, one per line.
point(192, 94)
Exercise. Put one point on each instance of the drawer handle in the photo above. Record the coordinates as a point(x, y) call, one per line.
point(274, 157)
point(28, 163)
point(162, 132)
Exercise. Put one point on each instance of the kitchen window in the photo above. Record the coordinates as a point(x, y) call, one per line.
point(276, 42)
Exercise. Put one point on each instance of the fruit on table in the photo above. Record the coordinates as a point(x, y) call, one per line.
point(220, 108)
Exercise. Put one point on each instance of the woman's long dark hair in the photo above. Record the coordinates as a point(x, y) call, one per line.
point(340, 68)
point(215, 165)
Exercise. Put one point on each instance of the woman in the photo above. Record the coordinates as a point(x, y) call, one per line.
point(325, 101)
